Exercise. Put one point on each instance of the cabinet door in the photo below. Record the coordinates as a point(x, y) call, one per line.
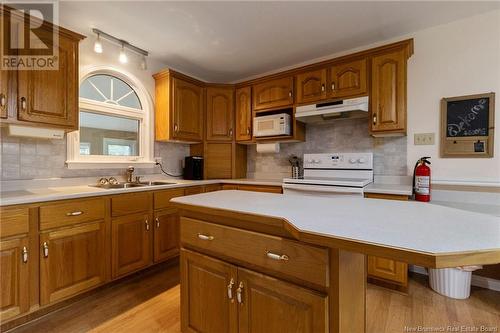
point(208, 291)
point(4, 93)
point(51, 96)
point(220, 114)
point(273, 94)
point(348, 79)
point(188, 111)
point(166, 234)
point(388, 92)
point(271, 305)
point(14, 277)
point(130, 243)
point(218, 160)
point(387, 269)
point(71, 260)
point(311, 86)
point(243, 114)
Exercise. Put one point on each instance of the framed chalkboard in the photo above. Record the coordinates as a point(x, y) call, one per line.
point(467, 125)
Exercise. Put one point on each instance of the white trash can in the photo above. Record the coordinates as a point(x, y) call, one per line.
point(452, 282)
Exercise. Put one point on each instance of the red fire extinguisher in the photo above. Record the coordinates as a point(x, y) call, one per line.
point(422, 180)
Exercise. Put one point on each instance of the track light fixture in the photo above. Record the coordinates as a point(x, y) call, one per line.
point(123, 58)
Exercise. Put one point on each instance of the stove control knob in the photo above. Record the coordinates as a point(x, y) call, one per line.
point(352, 160)
point(361, 160)
point(317, 161)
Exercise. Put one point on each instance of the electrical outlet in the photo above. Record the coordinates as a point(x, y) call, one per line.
point(422, 139)
point(158, 159)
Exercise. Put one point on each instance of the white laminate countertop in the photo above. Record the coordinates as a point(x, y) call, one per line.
point(52, 193)
point(383, 188)
point(408, 225)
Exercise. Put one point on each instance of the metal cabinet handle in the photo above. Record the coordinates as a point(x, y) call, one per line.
point(323, 87)
point(333, 85)
point(290, 94)
point(157, 220)
point(77, 213)
point(23, 103)
point(176, 128)
point(239, 292)
point(375, 119)
point(230, 289)
point(3, 100)
point(230, 132)
point(205, 237)
point(25, 254)
point(146, 223)
point(45, 249)
point(274, 256)
point(248, 130)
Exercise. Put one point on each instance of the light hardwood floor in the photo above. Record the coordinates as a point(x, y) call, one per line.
point(150, 303)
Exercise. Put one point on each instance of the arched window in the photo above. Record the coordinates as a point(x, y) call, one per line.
point(114, 128)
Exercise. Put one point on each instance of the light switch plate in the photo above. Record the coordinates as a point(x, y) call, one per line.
point(422, 139)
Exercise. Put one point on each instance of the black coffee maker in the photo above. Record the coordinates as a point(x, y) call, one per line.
point(193, 167)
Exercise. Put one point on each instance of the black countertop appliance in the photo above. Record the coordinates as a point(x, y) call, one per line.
point(193, 167)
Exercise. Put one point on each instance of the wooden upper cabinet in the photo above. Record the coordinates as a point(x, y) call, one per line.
point(130, 243)
point(188, 110)
point(166, 234)
point(179, 107)
point(348, 79)
point(51, 96)
point(14, 277)
point(388, 93)
point(271, 305)
point(72, 260)
point(273, 94)
point(220, 114)
point(311, 86)
point(206, 306)
point(4, 93)
point(244, 114)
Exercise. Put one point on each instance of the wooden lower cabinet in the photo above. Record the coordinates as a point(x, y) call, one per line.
point(14, 277)
point(166, 235)
point(205, 303)
point(254, 188)
point(130, 243)
point(71, 261)
point(392, 271)
point(220, 297)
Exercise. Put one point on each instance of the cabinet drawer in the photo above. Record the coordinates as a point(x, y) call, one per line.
point(131, 203)
point(14, 221)
point(71, 212)
point(162, 198)
point(304, 262)
point(194, 190)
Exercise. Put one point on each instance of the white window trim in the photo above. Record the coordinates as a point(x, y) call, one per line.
point(146, 130)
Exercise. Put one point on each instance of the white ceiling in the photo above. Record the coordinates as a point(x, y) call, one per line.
point(231, 41)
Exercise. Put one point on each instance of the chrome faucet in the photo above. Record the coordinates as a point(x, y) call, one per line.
point(130, 174)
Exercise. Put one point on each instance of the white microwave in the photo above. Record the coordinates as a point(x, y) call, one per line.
point(272, 125)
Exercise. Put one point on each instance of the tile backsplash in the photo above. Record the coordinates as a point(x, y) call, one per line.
point(27, 158)
point(350, 135)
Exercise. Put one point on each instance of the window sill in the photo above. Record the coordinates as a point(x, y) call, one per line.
point(109, 164)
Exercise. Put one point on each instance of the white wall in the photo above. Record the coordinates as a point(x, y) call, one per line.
point(459, 58)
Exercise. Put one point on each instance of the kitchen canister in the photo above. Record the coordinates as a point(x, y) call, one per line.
point(295, 172)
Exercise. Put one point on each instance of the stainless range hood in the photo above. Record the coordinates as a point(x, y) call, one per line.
point(344, 109)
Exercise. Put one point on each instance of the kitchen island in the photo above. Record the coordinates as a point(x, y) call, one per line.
point(254, 262)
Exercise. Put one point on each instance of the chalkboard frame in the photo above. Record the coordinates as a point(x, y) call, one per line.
point(467, 146)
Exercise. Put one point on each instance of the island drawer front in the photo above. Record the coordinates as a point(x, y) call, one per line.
point(14, 221)
point(71, 212)
point(131, 203)
point(304, 262)
point(162, 198)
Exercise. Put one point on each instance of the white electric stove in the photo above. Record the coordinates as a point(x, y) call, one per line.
point(332, 174)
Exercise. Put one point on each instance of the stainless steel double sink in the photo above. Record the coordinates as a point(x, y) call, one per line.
point(132, 185)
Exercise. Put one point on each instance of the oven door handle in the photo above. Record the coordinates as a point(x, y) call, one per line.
point(323, 188)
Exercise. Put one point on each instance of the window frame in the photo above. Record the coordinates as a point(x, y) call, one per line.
point(145, 158)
